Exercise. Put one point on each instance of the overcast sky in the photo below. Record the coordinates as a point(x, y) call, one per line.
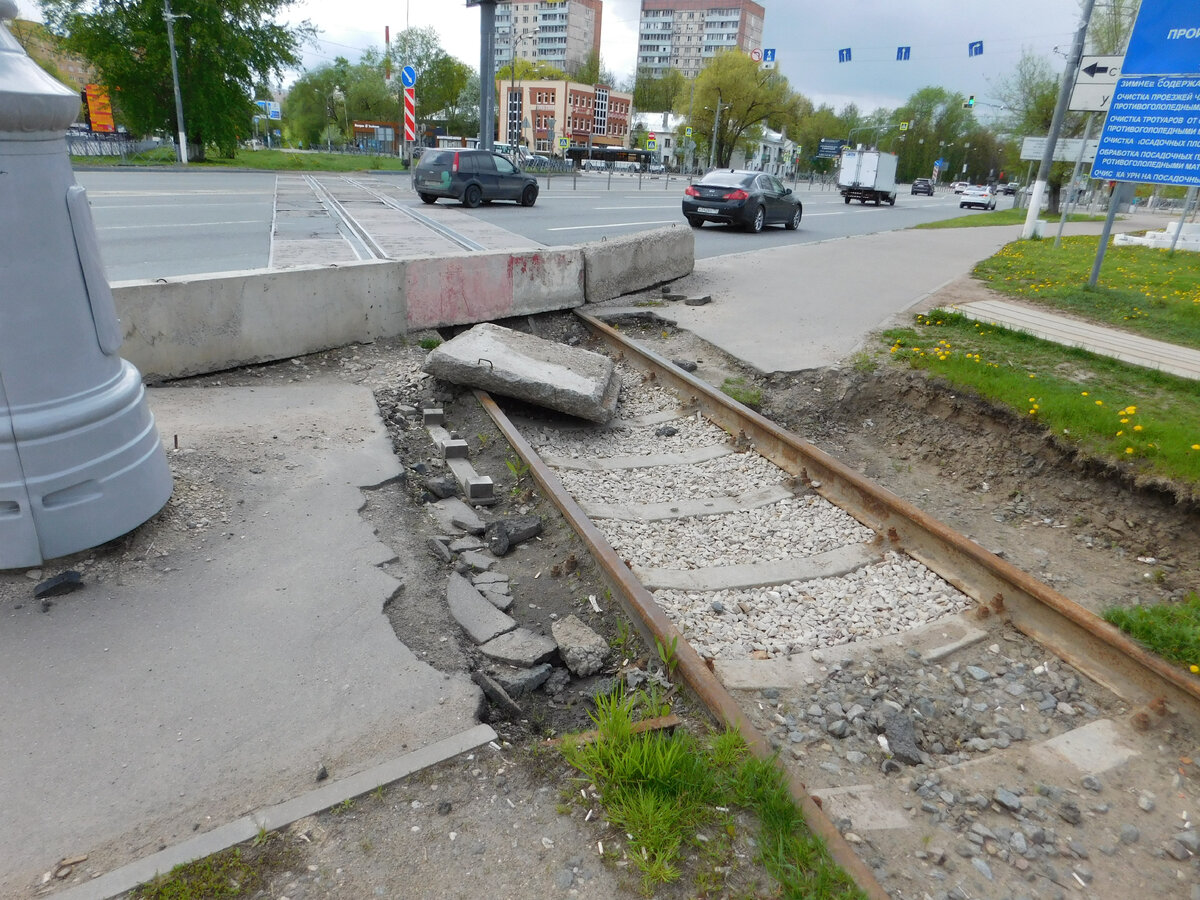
point(806, 34)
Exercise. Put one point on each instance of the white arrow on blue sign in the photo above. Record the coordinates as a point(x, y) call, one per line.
point(408, 75)
point(769, 54)
point(975, 48)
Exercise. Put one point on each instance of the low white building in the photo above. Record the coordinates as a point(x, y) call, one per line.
point(667, 128)
point(774, 154)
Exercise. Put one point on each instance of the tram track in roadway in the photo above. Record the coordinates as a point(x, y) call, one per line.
point(952, 726)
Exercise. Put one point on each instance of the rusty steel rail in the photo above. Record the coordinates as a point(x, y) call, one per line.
point(1078, 636)
point(653, 622)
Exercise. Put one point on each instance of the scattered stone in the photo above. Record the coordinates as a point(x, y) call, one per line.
point(698, 301)
point(979, 674)
point(1146, 802)
point(890, 767)
point(441, 486)
point(453, 514)
point(902, 739)
point(1177, 851)
point(582, 649)
point(502, 602)
point(504, 534)
point(686, 364)
point(444, 808)
point(558, 680)
point(1189, 839)
point(1007, 799)
point(666, 431)
point(322, 772)
point(1070, 813)
point(1130, 834)
point(59, 586)
point(459, 545)
point(839, 728)
point(1091, 783)
point(476, 560)
point(984, 869)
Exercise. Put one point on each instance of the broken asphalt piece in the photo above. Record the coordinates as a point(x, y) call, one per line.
point(497, 695)
point(322, 772)
point(478, 618)
point(520, 647)
point(686, 364)
point(546, 373)
point(518, 682)
point(698, 301)
point(902, 739)
point(454, 515)
point(439, 549)
point(582, 649)
point(503, 534)
point(666, 431)
point(442, 486)
point(59, 585)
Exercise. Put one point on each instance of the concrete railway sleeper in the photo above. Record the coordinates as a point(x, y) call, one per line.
point(951, 726)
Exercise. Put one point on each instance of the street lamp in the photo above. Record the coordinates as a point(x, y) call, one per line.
point(712, 145)
point(514, 112)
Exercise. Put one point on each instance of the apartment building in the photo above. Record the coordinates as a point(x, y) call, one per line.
point(537, 113)
point(562, 34)
point(686, 34)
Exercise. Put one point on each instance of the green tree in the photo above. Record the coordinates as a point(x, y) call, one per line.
point(440, 86)
point(938, 129)
point(1110, 26)
point(593, 71)
point(659, 93)
point(223, 50)
point(1029, 96)
point(749, 97)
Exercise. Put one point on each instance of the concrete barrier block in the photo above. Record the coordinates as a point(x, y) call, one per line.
point(634, 262)
point(546, 280)
point(205, 323)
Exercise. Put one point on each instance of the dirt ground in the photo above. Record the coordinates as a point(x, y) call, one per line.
point(508, 820)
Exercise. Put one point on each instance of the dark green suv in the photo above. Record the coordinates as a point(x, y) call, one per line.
point(472, 177)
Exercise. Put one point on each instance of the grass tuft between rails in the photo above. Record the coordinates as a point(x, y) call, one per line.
point(1172, 630)
point(663, 789)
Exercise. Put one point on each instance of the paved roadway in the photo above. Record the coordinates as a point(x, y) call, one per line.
point(155, 224)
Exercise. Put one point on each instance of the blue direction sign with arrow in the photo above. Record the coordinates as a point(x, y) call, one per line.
point(408, 76)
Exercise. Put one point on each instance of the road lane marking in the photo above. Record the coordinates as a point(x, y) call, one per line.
point(618, 208)
point(613, 225)
point(180, 225)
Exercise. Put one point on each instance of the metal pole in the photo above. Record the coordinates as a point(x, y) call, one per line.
point(487, 73)
point(1113, 203)
point(175, 81)
point(712, 145)
point(1087, 133)
point(1187, 200)
point(1060, 109)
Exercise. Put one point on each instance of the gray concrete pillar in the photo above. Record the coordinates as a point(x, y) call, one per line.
point(80, 458)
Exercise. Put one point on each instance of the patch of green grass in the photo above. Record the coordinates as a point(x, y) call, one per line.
point(1002, 217)
point(1172, 630)
point(240, 871)
point(429, 343)
point(665, 790)
point(1145, 419)
point(743, 393)
point(1140, 289)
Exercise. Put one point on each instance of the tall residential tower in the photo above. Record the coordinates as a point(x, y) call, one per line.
point(562, 34)
point(686, 34)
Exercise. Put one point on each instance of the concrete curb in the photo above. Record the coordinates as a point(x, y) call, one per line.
point(118, 881)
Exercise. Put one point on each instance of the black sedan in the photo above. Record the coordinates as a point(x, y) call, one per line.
point(747, 199)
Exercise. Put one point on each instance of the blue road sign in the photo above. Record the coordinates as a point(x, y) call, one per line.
point(1152, 131)
point(1165, 39)
point(769, 55)
point(975, 48)
point(844, 55)
point(408, 75)
point(902, 53)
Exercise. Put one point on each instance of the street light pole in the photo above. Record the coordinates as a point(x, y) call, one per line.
point(175, 80)
point(712, 145)
point(512, 78)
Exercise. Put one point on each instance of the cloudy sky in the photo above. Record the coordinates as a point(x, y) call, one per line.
point(806, 34)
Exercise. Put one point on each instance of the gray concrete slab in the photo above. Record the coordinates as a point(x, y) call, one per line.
point(705, 506)
point(144, 707)
point(638, 460)
point(829, 564)
point(1072, 332)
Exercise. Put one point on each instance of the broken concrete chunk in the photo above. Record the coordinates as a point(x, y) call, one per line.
point(582, 649)
point(478, 618)
point(439, 549)
point(476, 560)
point(567, 379)
point(502, 602)
point(520, 647)
point(441, 486)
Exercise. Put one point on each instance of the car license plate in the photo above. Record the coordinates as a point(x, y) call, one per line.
point(706, 209)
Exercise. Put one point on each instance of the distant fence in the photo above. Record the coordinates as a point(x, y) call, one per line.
point(99, 143)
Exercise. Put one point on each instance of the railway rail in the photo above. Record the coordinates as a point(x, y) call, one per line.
point(950, 725)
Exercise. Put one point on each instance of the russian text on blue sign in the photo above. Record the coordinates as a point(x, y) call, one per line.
point(1165, 39)
point(1152, 132)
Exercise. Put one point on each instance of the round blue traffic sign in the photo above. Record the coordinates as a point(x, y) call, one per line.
point(408, 75)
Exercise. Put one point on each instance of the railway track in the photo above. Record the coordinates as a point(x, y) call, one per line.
point(952, 726)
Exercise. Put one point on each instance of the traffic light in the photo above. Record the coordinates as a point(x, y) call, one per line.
point(969, 103)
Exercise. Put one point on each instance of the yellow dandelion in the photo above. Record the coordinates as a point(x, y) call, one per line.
point(1083, 393)
point(1195, 669)
point(1137, 427)
point(1128, 449)
point(1196, 446)
point(1099, 402)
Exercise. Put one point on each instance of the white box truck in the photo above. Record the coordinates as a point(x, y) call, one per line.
point(868, 175)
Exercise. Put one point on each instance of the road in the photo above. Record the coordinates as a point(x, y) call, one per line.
point(154, 224)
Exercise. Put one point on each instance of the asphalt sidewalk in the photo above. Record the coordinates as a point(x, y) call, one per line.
point(804, 306)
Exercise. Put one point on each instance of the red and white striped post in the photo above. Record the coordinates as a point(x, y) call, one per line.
point(410, 114)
